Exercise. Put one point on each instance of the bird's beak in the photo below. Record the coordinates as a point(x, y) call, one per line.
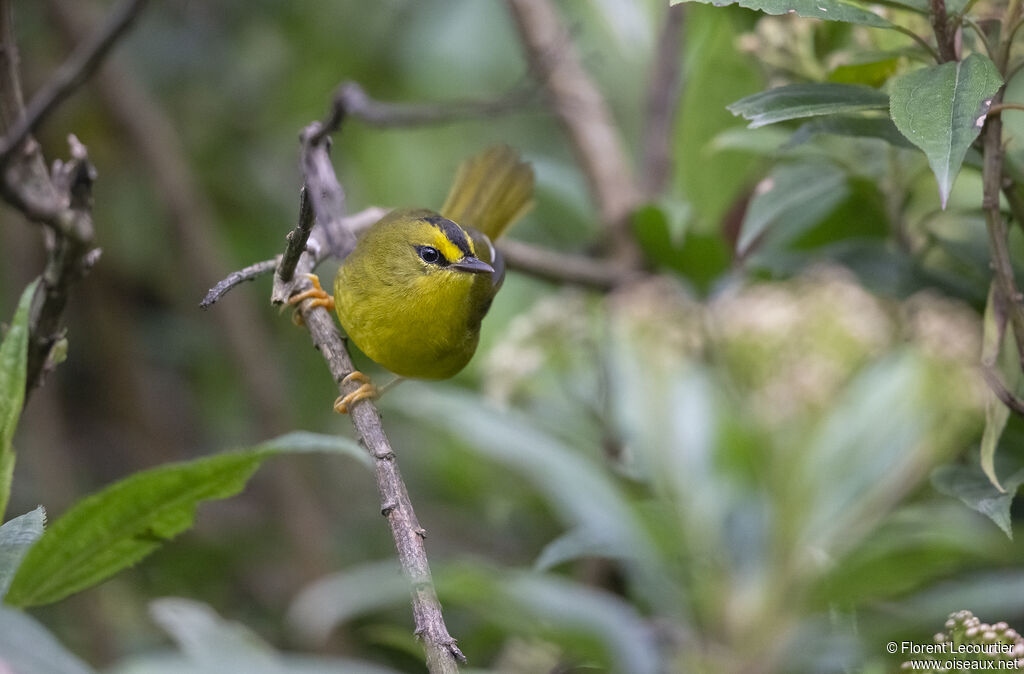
point(473, 266)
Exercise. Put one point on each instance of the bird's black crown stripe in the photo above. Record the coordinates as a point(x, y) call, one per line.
point(453, 232)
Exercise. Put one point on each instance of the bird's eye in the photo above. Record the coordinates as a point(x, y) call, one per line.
point(430, 254)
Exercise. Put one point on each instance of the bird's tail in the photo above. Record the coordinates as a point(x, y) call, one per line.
point(491, 191)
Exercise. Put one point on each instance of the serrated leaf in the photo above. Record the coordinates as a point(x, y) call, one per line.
point(26, 647)
point(13, 364)
point(795, 194)
point(117, 527)
point(977, 491)
point(941, 110)
point(846, 11)
point(16, 537)
point(797, 101)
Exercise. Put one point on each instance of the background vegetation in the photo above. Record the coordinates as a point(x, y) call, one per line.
point(760, 450)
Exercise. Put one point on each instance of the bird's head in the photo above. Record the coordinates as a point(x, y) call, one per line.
point(424, 242)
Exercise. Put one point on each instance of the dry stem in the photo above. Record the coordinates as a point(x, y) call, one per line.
point(585, 115)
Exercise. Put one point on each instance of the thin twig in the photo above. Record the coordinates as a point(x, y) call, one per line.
point(345, 229)
point(997, 234)
point(971, 23)
point(153, 142)
point(25, 184)
point(324, 190)
point(663, 93)
point(297, 238)
point(62, 200)
point(992, 184)
point(562, 267)
point(69, 259)
point(966, 10)
point(1014, 28)
point(443, 655)
point(585, 115)
point(522, 257)
point(1013, 18)
point(250, 273)
point(996, 385)
point(351, 100)
point(997, 108)
point(919, 40)
point(70, 75)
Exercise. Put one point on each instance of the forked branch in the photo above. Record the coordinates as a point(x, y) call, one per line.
point(61, 199)
point(443, 655)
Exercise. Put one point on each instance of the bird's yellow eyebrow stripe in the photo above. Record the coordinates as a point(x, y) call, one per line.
point(450, 239)
point(451, 252)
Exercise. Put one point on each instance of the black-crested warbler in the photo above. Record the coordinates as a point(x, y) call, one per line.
point(412, 293)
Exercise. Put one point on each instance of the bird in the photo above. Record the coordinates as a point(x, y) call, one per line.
point(414, 290)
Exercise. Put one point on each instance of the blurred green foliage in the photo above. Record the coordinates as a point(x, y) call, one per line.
point(762, 457)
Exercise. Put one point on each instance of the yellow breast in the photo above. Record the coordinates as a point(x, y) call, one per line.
point(416, 319)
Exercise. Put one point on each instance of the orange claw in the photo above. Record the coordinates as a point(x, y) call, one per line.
point(317, 293)
point(344, 403)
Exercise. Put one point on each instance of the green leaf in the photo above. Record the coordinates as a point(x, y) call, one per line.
point(716, 75)
point(573, 606)
point(797, 101)
point(26, 647)
point(851, 127)
point(337, 598)
point(16, 537)
point(1000, 357)
point(914, 547)
point(942, 108)
point(574, 544)
point(794, 197)
point(202, 635)
point(283, 664)
point(583, 495)
point(846, 11)
point(873, 73)
point(667, 243)
point(117, 527)
point(212, 645)
point(13, 363)
point(977, 491)
point(923, 6)
point(872, 437)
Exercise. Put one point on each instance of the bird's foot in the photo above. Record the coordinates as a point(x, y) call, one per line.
point(344, 403)
point(317, 295)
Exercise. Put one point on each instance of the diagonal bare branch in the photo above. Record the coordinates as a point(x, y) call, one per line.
point(351, 100)
point(663, 92)
point(585, 115)
point(562, 267)
point(71, 74)
point(443, 655)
